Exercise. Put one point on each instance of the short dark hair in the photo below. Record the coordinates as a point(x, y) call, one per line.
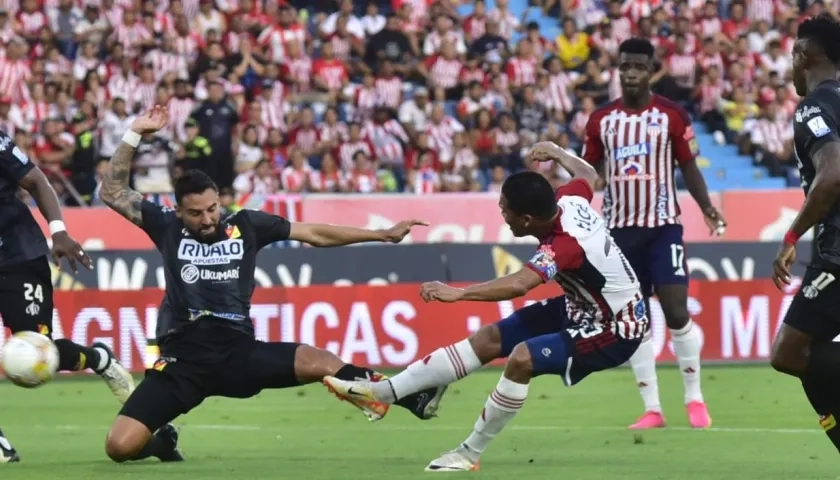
point(193, 182)
point(637, 45)
point(529, 193)
point(825, 31)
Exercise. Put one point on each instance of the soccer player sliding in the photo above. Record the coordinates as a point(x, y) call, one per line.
point(204, 330)
point(598, 324)
point(804, 346)
point(637, 141)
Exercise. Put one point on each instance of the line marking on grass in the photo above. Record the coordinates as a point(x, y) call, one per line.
point(548, 428)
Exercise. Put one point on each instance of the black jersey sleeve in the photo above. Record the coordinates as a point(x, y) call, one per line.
point(816, 120)
point(13, 162)
point(156, 220)
point(268, 228)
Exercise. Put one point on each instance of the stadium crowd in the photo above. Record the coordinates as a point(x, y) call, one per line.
point(401, 95)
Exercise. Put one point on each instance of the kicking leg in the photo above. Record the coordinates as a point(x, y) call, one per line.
point(453, 362)
point(99, 358)
point(7, 451)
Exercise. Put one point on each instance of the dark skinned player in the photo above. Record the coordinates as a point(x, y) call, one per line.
point(803, 346)
point(637, 141)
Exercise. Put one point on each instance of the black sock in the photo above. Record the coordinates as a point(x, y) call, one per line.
point(824, 360)
point(352, 373)
point(151, 449)
point(73, 357)
point(825, 400)
point(410, 402)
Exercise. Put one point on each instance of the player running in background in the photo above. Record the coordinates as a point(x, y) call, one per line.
point(803, 346)
point(206, 337)
point(635, 142)
point(597, 325)
point(26, 288)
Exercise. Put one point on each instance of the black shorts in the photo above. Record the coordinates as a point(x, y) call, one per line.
point(815, 310)
point(213, 360)
point(26, 297)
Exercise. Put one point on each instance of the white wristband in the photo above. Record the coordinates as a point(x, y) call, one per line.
point(131, 138)
point(57, 226)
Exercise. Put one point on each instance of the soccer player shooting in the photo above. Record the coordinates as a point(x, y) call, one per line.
point(598, 324)
point(637, 141)
point(804, 345)
point(206, 337)
point(26, 288)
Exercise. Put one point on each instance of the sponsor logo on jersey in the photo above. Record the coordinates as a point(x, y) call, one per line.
point(218, 253)
point(827, 422)
point(818, 127)
point(634, 171)
point(662, 202)
point(191, 274)
point(689, 133)
point(543, 262)
point(232, 231)
point(638, 149)
point(806, 112)
point(654, 129)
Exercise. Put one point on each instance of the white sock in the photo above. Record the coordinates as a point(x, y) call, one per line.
point(104, 358)
point(687, 346)
point(643, 363)
point(502, 405)
point(441, 367)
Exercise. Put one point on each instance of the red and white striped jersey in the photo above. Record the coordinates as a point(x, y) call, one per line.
point(443, 73)
point(36, 112)
point(363, 181)
point(521, 71)
point(638, 149)
point(389, 91)
point(145, 95)
point(771, 134)
point(179, 111)
point(601, 288)
point(557, 92)
point(508, 22)
point(425, 181)
point(166, 62)
point(347, 149)
point(131, 36)
point(474, 27)
point(123, 87)
point(388, 139)
point(638, 9)
point(709, 27)
point(13, 77)
point(189, 46)
point(441, 137)
point(433, 42)
point(275, 38)
point(294, 180)
point(710, 94)
point(622, 28)
point(761, 10)
point(333, 133)
point(332, 73)
point(299, 70)
point(273, 113)
point(304, 138)
point(31, 23)
point(334, 181)
point(683, 67)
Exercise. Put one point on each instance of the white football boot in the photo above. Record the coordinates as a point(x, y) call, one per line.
point(453, 461)
point(118, 379)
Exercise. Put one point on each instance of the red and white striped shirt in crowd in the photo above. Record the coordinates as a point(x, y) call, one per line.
point(579, 120)
point(710, 94)
point(333, 133)
point(608, 45)
point(232, 40)
point(275, 38)
point(250, 182)
point(58, 65)
point(335, 181)
point(363, 181)
point(683, 68)
point(273, 113)
point(758, 10)
point(690, 43)
point(521, 71)
point(299, 70)
point(179, 111)
point(36, 112)
point(122, 86)
point(364, 101)
point(7, 33)
point(189, 46)
point(638, 9)
point(474, 27)
point(614, 85)
point(10, 6)
point(426, 180)
point(131, 37)
point(622, 28)
point(294, 180)
point(443, 73)
point(471, 75)
point(31, 23)
point(346, 150)
point(709, 27)
point(507, 141)
point(100, 98)
point(419, 10)
point(113, 15)
point(388, 91)
point(332, 73)
point(166, 62)
point(771, 135)
point(386, 138)
point(13, 77)
point(467, 106)
point(303, 138)
point(508, 22)
point(201, 91)
point(705, 62)
point(145, 95)
point(639, 149)
point(82, 65)
point(341, 46)
point(191, 8)
point(559, 92)
point(164, 23)
point(441, 137)
point(433, 42)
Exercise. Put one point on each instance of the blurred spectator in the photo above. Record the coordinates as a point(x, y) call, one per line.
point(216, 120)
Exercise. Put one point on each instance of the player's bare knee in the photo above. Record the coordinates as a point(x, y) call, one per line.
point(520, 367)
point(126, 439)
point(789, 354)
point(487, 343)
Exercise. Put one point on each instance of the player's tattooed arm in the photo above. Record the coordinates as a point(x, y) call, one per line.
point(115, 191)
point(824, 191)
point(323, 235)
point(505, 288)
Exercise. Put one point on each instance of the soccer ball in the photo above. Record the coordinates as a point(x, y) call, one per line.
point(29, 359)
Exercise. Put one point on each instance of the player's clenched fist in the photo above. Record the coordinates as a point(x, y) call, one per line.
point(151, 121)
point(441, 292)
point(398, 232)
point(545, 152)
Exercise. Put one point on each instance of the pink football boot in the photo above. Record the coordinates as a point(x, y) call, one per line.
point(649, 420)
point(698, 415)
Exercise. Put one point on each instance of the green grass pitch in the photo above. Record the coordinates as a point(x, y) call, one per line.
point(763, 429)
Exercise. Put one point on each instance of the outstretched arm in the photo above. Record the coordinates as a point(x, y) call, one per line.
point(114, 190)
point(576, 166)
point(323, 235)
point(505, 288)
